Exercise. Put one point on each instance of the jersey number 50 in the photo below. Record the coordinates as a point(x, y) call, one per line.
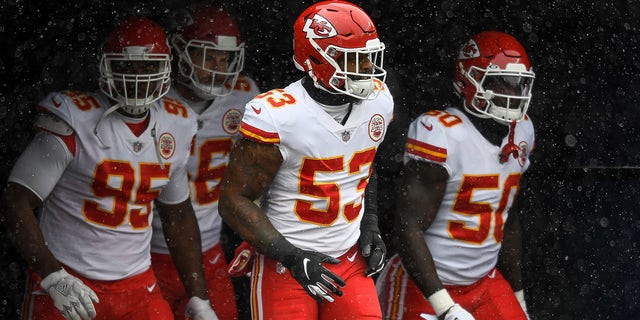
point(464, 205)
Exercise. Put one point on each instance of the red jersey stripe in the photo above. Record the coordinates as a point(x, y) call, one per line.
point(427, 151)
point(253, 133)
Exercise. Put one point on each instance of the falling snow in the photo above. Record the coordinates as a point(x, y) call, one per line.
point(581, 224)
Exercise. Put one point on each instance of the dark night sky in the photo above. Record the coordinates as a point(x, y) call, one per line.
point(582, 230)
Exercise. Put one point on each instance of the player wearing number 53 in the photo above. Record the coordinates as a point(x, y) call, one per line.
point(95, 166)
point(457, 229)
point(308, 150)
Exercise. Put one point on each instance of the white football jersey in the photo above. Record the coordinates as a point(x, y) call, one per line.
point(218, 129)
point(316, 198)
point(466, 235)
point(97, 218)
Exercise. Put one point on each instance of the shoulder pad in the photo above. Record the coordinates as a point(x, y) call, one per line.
point(174, 107)
point(49, 122)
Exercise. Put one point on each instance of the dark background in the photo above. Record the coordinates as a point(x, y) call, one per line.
point(581, 223)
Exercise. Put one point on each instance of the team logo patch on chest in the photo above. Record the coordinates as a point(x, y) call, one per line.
point(524, 152)
point(231, 121)
point(376, 127)
point(166, 145)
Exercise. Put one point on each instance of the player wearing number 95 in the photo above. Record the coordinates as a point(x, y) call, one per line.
point(308, 150)
point(456, 219)
point(94, 168)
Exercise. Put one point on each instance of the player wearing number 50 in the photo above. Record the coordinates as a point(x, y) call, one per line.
point(308, 150)
point(455, 219)
point(94, 168)
point(209, 58)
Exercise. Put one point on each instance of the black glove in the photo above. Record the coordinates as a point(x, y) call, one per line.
point(371, 244)
point(306, 267)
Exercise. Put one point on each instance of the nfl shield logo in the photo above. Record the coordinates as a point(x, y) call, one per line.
point(346, 136)
point(137, 146)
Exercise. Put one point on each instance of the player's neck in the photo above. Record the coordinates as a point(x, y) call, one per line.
point(490, 129)
point(324, 97)
point(137, 124)
point(197, 104)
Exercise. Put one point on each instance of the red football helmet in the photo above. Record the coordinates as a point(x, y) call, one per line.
point(135, 66)
point(208, 36)
point(494, 77)
point(329, 32)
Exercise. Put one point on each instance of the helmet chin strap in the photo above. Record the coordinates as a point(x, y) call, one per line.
point(105, 146)
point(104, 115)
point(510, 148)
point(323, 95)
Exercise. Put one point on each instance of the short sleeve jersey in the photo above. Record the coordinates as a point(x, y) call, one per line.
point(218, 129)
point(316, 197)
point(466, 235)
point(97, 218)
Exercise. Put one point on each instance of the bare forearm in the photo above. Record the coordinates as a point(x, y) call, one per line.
point(510, 258)
point(418, 203)
point(249, 221)
point(16, 210)
point(183, 239)
point(251, 169)
point(417, 260)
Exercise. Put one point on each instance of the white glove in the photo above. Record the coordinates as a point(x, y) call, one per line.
point(70, 295)
point(520, 297)
point(458, 313)
point(199, 309)
point(427, 316)
point(443, 305)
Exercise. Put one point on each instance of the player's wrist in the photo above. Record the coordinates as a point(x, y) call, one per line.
point(441, 301)
point(53, 278)
point(282, 250)
point(369, 222)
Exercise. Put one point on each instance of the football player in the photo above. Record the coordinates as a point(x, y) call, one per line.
point(207, 80)
point(307, 150)
point(454, 219)
point(94, 168)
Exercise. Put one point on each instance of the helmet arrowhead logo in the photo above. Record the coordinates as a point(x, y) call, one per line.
point(319, 27)
point(469, 50)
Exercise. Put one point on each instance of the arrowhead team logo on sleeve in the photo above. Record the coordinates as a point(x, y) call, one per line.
point(524, 152)
point(469, 50)
point(376, 127)
point(167, 145)
point(231, 121)
point(319, 27)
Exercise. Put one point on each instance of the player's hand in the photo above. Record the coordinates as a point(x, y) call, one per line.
point(320, 283)
point(70, 295)
point(371, 245)
point(199, 309)
point(242, 260)
point(457, 313)
point(446, 308)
